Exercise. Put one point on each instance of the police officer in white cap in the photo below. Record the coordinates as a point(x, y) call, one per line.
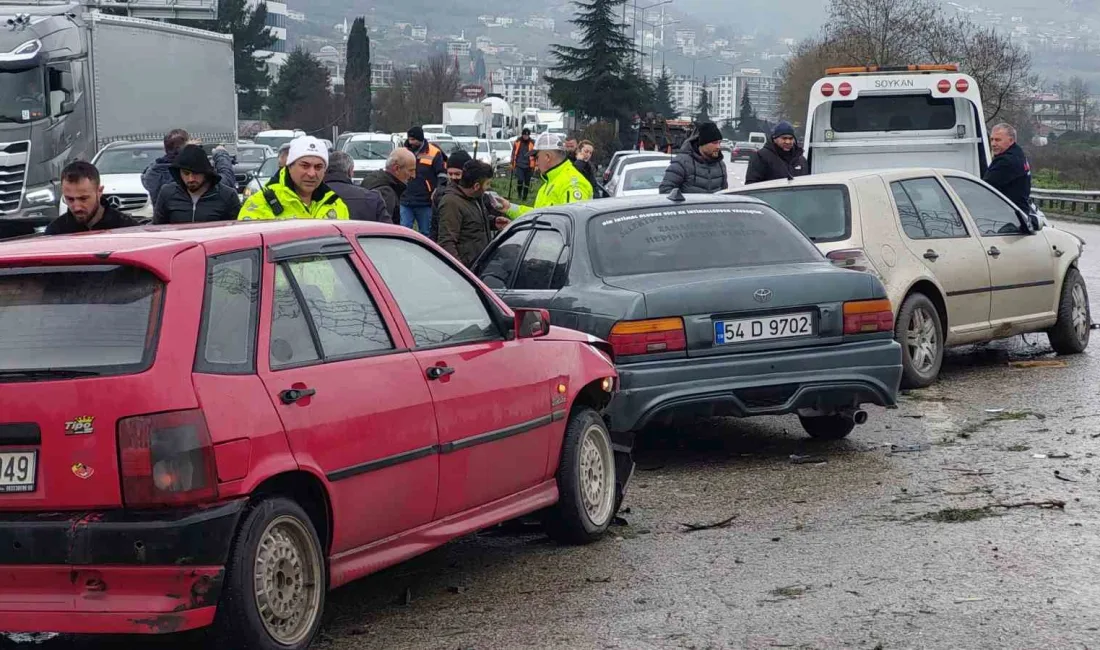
point(298, 191)
point(561, 182)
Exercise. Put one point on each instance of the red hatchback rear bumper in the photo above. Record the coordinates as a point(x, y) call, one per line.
point(114, 572)
point(108, 599)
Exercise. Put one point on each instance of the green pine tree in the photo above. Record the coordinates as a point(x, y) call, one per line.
point(702, 110)
point(728, 130)
point(596, 79)
point(250, 35)
point(665, 107)
point(357, 90)
point(480, 73)
point(746, 116)
point(300, 98)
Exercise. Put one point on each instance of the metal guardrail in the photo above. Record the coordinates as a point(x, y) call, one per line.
point(1067, 201)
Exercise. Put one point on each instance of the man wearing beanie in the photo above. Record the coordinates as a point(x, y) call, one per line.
point(299, 191)
point(780, 159)
point(416, 202)
point(699, 167)
point(454, 174)
point(197, 192)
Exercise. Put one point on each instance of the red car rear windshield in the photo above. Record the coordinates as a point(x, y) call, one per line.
point(99, 318)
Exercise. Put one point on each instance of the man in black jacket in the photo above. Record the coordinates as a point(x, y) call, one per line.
point(465, 225)
point(363, 204)
point(1010, 172)
point(780, 159)
point(88, 209)
point(699, 167)
point(390, 182)
point(199, 192)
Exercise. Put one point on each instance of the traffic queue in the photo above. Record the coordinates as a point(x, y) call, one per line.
point(337, 392)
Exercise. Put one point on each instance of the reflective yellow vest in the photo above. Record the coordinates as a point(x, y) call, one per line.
point(278, 201)
point(561, 185)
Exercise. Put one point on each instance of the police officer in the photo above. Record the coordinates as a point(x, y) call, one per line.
point(298, 191)
point(561, 182)
point(1009, 173)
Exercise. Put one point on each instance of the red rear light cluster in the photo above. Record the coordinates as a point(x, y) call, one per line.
point(166, 459)
point(962, 85)
point(638, 337)
point(853, 259)
point(827, 89)
point(944, 86)
point(845, 89)
point(868, 317)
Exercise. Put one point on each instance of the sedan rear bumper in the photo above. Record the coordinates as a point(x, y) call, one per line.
point(761, 383)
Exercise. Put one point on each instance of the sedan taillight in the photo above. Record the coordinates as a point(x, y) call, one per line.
point(166, 459)
point(868, 317)
point(637, 337)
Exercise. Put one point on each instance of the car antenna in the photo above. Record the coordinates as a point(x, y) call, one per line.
point(676, 195)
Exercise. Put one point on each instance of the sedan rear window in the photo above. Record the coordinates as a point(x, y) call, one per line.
point(699, 236)
point(100, 318)
point(823, 213)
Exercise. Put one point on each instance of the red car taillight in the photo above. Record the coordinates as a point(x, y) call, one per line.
point(853, 259)
point(868, 316)
point(637, 337)
point(166, 459)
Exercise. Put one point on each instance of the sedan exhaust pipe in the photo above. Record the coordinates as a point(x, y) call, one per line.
point(858, 416)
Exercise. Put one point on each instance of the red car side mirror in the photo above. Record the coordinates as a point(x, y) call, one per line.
point(532, 323)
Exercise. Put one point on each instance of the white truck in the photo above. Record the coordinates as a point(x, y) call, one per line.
point(504, 121)
point(466, 120)
point(74, 80)
point(905, 116)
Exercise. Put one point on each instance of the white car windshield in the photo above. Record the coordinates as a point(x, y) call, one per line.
point(129, 160)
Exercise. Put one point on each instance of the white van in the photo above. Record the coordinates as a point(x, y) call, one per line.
point(369, 151)
point(756, 137)
point(906, 116)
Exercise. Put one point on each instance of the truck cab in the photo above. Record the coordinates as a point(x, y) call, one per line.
point(906, 116)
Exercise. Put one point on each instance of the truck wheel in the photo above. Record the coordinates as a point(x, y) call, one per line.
point(275, 581)
point(827, 427)
point(586, 482)
point(1070, 335)
point(920, 332)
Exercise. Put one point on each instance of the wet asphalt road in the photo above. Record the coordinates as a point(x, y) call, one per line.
point(934, 548)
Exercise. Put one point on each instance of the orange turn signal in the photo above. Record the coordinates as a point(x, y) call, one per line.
point(648, 326)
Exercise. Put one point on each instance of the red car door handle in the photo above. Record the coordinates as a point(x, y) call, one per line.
point(292, 395)
point(436, 372)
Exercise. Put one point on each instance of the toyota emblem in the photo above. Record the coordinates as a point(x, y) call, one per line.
point(762, 295)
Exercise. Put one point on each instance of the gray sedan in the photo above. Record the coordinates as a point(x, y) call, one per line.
point(714, 305)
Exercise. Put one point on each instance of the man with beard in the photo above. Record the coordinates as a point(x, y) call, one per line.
point(780, 159)
point(87, 208)
point(300, 191)
point(699, 167)
point(465, 225)
point(197, 193)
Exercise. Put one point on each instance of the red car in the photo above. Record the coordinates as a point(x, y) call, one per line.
point(217, 424)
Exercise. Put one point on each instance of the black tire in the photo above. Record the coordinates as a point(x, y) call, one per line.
point(572, 520)
point(827, 427)
point(239, 621)
point(1068, 336)
point(921, 372)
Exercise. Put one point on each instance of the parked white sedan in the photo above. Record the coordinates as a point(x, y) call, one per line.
point(639, 178)
point(960, 262)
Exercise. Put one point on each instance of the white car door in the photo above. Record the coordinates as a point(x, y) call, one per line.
point(1022, 266)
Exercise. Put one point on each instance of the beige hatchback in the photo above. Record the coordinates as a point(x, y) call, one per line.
point(961, 264)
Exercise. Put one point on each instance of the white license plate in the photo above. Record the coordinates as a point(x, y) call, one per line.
point(762, 329)
point(18, 470)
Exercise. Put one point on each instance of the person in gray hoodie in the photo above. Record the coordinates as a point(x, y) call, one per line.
point(699, 167)
point(198, 191)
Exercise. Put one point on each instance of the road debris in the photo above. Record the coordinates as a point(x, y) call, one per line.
point(808, 460)
point(904, 449)
point(1059, 476)
point(959, 601)
point(994, 410)
point(790, 592)
point(1038, 363)
point(599, 579)
point(691, 528)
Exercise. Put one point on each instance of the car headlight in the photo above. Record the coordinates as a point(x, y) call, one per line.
point(41, 195)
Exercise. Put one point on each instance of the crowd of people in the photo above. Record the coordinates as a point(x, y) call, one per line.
point(448, 199)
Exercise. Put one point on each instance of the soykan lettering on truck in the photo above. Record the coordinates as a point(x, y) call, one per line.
point(894, 83)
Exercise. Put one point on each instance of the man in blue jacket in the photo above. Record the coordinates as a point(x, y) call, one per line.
point(431, 172)
point(1010, 172)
